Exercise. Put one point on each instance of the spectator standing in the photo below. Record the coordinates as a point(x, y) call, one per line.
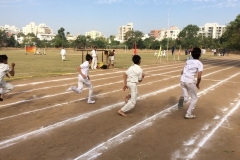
point(63, 54)
point(94, 58)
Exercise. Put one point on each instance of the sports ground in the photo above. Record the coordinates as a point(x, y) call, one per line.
point(40, 120)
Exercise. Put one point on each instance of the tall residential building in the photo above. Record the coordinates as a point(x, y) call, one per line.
point(212, 30)
point(93, 34)
point(122, 31)
point(10, 29)
point(172, 33)
point(40, 29)
point(154, 33)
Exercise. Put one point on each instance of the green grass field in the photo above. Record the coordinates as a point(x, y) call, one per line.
point(32, 66)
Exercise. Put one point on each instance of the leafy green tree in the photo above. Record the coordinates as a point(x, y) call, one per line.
point(148, 42)
point(30, 39)
point(3, 38)
point(155, 45)
point(231, 37)
point(60, 39)
point(132, 37)
point(188, 37)
point(12, 42)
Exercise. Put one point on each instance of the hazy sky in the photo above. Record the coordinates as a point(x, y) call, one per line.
point(80, 16)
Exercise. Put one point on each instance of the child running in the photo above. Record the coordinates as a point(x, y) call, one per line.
point(188, 84)
point(4, 70)
point(131, 78)
point(83, 78)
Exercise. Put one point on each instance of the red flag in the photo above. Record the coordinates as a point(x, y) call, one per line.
point(135, 49)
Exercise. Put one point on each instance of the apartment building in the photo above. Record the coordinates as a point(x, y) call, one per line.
point(172, 33)
point(213, 30)
point(11, 29)
point(154, 33)
point(93, 34)
point(122, 31)
point(40, 29)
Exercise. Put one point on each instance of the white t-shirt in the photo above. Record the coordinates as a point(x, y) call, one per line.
point(84, 68)
point(134, 73)
point(94, 54)
point(63, 52)
point(4, 68)
point(192, 66)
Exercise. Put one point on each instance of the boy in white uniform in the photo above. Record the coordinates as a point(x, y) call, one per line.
point(94, 56)
point(83, 78)
point(4, 70)
point(63, 54)
point(131, 78)
point(189, 86)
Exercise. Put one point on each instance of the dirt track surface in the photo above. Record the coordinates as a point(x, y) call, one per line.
point(40, 120)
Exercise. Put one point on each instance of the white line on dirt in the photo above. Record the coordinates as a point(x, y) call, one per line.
point(65, 79)
point(58, 105)
point(120, 138)
point(65, 103)
point(48, 96)
point(209, 134)
point(12, 141)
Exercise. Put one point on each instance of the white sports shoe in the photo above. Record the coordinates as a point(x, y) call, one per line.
point(90, 102)
point(189, 116)
point(69, 89)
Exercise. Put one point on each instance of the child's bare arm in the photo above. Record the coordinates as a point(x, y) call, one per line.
point(12, 72)
point(199, 76)
point(7, 75)
point(125, 81)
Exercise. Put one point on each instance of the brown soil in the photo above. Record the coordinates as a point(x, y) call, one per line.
point(43, 121)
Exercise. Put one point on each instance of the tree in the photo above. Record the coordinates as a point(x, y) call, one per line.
point(231, 37)
point(3, 38)
point(11, 42)
point(60, 39)
point(148, 42)
point(188, 37)
point(132, 37)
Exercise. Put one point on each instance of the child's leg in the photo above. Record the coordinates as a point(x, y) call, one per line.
point(193, 94)
point(7, 87)
point(184, 91)
point(132, 102)
point(88, 83)
point(80, 86)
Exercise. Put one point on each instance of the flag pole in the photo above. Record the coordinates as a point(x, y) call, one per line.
point(167, 35)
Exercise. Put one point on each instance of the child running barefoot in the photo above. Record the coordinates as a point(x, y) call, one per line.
point(131, 78)
point(189, 86)
point(4, 70)
point(83, 78)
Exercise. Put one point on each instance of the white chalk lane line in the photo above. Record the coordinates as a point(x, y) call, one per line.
point(127, 134)
point(188, 152)
point(76, 100)
point(69, 84)
point(53, 95)
point(66, 79)
point(15, 140)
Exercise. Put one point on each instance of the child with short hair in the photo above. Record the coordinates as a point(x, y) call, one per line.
point(188, 83)
point(131, 78)
point(4, 70)
point(83, 78)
